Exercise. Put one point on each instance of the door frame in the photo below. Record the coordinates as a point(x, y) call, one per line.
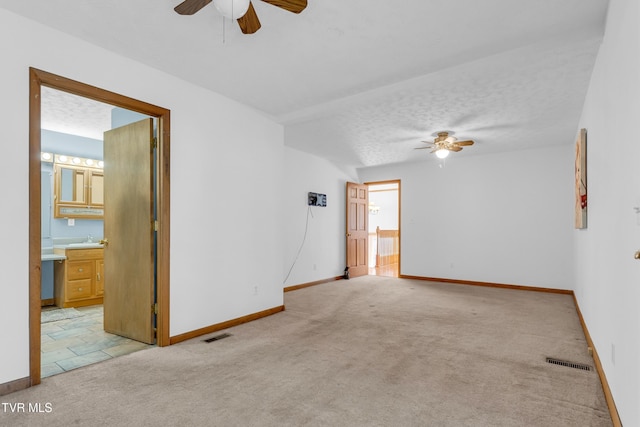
point(394, 181)
point(37, 79)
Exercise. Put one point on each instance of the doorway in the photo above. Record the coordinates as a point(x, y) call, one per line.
point(38, 79)
point(384, 228)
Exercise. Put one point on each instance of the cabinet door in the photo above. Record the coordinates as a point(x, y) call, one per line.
point(100, 277)
point(70, 184)
point(96, 188)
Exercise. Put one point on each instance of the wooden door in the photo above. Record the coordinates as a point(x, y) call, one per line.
point(128, 227)
point(357, 229)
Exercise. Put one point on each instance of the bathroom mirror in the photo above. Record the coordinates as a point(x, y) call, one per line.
point(72, 184)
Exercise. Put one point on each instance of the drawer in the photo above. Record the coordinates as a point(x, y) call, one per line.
point(79, 270)
point(78, 289)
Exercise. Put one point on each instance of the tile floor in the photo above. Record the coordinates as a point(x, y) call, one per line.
point(72, 343)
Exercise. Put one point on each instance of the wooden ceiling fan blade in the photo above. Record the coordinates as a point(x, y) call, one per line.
point(454, 148)
point(464, 143)
point(295, 6)
point(249, 22)
point(189, 7)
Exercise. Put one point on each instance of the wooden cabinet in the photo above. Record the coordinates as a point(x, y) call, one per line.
point(79, 280)
point(78, 190)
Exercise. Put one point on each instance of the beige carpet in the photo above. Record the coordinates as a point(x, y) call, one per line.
point(370, 351)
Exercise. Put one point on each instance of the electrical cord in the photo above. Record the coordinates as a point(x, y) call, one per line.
point(306, 228)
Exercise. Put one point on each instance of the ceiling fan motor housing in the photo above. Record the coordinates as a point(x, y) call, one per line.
point(232, 9)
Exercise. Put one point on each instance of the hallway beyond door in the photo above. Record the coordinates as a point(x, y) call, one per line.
point(384, 228)
point(389, 270)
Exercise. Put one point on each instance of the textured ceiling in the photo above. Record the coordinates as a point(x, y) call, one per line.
point(75, 115)
point(362, 82)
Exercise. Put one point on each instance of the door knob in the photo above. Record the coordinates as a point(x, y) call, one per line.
point(104, 242)
point(348, 234)
point(637, 255)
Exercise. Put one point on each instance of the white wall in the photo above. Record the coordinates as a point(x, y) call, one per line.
point(607, 276)
point(387, 216)
point(226, 186)
point(323, 254)
point(503, 218)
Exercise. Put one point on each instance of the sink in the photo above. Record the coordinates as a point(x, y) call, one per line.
point(85, 245)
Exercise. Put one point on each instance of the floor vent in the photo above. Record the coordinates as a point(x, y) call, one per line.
point(568, 364)
point(217, 337)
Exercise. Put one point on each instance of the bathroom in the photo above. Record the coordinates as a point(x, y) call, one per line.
point(71, 131)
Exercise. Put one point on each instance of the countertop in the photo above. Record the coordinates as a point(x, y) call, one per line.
point(48, 255)
point(79, 246)
point(66, 243)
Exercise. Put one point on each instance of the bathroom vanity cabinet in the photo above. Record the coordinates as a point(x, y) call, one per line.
point(79, 280)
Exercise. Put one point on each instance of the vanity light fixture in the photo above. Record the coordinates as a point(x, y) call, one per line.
point(76, 161)
point(46, 157)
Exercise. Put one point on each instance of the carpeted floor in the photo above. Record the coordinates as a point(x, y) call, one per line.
point(370, 351)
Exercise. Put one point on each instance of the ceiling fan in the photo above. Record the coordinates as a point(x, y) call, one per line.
point(241, 10)
point(444, 143)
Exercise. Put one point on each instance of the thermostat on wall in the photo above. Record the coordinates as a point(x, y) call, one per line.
point(317, 199)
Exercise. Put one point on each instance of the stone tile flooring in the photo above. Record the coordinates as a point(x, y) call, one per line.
point(72, 343)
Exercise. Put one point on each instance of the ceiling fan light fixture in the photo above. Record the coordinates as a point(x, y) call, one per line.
point(232, 9)
point(442, 153)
